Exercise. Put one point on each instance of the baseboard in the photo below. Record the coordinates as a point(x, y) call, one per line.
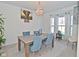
point(10, 44)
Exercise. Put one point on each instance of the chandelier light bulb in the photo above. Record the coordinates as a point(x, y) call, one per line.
point(39, 10)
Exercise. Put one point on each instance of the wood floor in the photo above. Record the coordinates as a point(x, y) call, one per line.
point(60, 50)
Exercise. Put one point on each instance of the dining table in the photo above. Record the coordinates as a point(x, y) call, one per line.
point(27, 40)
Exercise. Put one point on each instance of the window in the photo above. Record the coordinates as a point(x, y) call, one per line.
point(61, 24)
point(62, 29)
point(52, 25)
point(72, 20)
point(71, 24)
point(52, 29)
point(61, 21)
point(52, 21)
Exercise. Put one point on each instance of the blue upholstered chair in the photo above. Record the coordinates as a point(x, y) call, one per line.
point(37, 43)
point(36, 33)
point(50, 38)
point(26, 33)
point(40, 31)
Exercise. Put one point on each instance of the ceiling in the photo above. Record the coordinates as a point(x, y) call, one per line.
point(47, 5)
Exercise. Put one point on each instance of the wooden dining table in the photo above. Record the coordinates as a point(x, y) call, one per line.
point(27, 41)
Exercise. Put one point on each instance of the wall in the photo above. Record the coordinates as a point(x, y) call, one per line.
point(78, 29)
point(56, 14)
point(75, 31)
point(14, 26)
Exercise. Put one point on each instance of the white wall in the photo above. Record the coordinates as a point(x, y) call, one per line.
point(75, 31)
point(54, 13)
point(78, 35)
point(14, 25)
point(78, 29)
point(78, 41)
point(60, 12)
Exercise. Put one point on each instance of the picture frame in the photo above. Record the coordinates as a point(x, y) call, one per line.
point(26, 15)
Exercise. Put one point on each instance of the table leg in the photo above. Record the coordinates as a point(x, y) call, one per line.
point(19, 44)
point(76, 49)
point(26, 50)
point(53, 42)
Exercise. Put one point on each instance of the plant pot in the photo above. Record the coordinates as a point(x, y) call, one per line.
point(1, 51)
point(0, 46)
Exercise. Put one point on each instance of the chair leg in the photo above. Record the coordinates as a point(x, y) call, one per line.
point(76, 44)
point(67, 43)
point(33, 53)
point(45, 45)
point(39, 53)
point(72, 45)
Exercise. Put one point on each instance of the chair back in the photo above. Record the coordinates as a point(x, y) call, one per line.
point(26, 33)
point(37, 43)
point(50, 38)
point(36, 33)
point(40, 31)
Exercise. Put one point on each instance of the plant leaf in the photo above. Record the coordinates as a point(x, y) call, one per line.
point(1, 20)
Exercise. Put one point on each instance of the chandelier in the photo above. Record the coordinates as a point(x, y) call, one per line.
point(39, 10)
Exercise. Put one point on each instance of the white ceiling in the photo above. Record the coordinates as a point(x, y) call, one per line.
point(47, 5)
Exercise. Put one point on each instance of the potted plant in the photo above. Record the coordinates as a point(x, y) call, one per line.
point(2, 38)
